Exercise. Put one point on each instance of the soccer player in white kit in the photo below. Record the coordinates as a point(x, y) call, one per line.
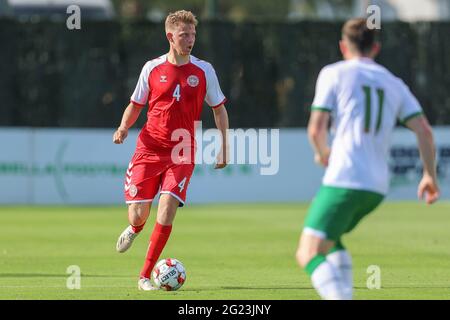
point(365, 100)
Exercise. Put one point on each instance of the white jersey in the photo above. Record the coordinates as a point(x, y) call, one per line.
point(365, 100)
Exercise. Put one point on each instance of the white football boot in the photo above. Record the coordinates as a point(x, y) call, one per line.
point(126, 239)
point(146, 285)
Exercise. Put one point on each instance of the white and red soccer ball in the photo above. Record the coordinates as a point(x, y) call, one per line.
point(169, 274)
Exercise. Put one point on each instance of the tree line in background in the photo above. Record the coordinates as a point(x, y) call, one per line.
point(234, 10)
point(60, 78)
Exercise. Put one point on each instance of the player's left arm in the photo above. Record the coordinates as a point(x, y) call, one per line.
point(318, 136)
point(221, 119)
point(428, 186)
point(412, 116)
point(216, 99)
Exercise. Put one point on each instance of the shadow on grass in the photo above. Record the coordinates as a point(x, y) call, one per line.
point(198, 289)
point(245, 288)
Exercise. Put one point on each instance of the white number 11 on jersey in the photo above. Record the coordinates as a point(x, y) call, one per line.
point(176, 93)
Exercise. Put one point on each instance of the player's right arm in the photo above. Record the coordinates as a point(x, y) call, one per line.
point(428, 186)
point(130, 115)
point(318, 136)
point(324, 102)
point(138, 100)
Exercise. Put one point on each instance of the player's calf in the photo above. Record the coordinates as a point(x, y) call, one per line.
point(325, 277)
point(311, 245)
point(138, 213)
point(137, 216)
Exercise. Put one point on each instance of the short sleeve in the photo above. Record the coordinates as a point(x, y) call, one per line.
point(214, 96)
point(142, 90)
point(409, 107)
point(325, 95)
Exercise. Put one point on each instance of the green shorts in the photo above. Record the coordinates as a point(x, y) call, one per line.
point(335, 211)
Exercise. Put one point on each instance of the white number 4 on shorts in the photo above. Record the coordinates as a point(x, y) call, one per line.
point(181, 184)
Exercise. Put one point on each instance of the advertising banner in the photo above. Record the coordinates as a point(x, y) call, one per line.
point(83, 166)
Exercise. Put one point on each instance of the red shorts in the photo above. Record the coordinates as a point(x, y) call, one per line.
point(146, 175)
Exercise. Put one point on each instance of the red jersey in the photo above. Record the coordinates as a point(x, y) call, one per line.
point(175, 96)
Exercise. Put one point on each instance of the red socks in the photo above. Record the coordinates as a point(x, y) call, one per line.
point(158, 240)
point(137, 229)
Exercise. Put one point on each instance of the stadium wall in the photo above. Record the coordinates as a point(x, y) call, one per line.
point(83, 166)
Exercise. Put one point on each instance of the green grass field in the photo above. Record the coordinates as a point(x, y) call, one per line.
point(229, 251)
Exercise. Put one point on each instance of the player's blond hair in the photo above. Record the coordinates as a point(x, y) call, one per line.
point(181, 16)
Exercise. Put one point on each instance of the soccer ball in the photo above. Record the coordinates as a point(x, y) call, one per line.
point(169, 274)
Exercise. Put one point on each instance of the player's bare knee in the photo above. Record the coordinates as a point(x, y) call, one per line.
point(299, 257)
point(309, 247)
point(167, 209)
point(164, 220)
point(304, 254)
point(166, 216)
point(137, 221)
point(138, 213)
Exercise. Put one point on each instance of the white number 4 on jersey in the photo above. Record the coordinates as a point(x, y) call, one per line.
point(176, 93)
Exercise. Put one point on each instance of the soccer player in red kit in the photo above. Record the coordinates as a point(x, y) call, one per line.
point(175, 86)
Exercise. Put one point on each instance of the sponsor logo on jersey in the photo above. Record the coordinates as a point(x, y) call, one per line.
point(193, 81)
point(163, 79)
